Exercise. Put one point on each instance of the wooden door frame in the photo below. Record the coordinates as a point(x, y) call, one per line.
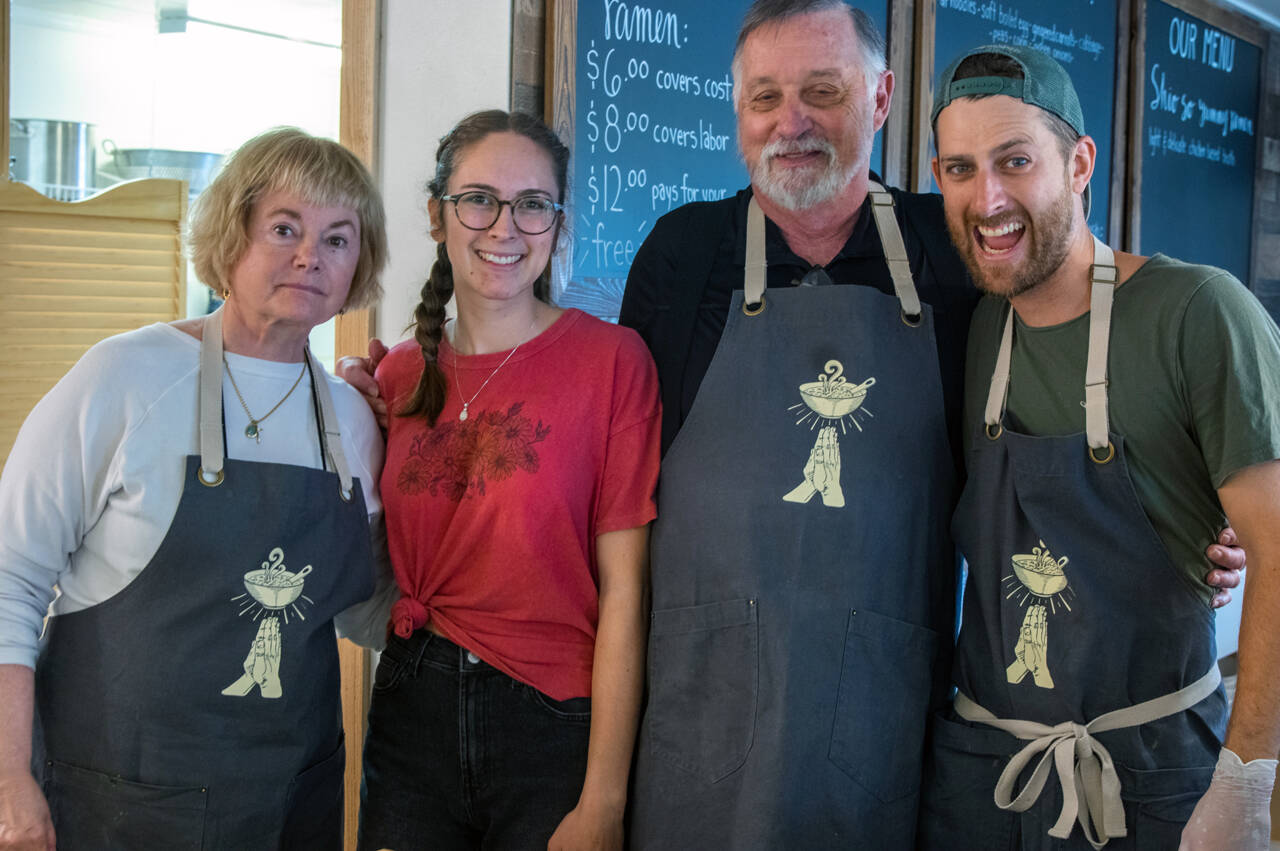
point(358, 118)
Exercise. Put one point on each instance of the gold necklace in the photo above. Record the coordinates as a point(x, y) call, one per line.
point(253, 429)
point(466, 403)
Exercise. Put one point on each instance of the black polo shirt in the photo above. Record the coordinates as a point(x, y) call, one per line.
point(679, 287)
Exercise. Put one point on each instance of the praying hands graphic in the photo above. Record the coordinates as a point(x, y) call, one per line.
point(1032, 648)
point(821, 472)
point(262, 664)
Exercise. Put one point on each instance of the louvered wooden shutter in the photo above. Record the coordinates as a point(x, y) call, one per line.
point(72, 274)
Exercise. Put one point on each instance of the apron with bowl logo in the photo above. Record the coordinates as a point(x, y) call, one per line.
point(198, 708)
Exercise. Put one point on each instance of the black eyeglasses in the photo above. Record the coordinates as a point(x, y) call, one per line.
point(532, 214)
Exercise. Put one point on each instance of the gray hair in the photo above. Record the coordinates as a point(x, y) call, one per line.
point(763, 12)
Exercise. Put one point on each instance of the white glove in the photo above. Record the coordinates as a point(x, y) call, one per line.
point(1235, 811)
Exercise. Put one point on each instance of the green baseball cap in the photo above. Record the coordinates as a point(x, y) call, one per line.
point(1044, 83)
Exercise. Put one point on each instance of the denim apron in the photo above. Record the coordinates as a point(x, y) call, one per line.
point(199, 706)
point(800, 551)
point(1089, 707)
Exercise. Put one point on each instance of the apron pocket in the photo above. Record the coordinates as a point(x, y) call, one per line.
point(313, 809)
point(703, 679)
point(887, 663)
point(92, 810)
point(1158, 802)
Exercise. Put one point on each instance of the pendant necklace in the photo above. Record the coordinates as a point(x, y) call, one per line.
point(466, 403)
point(253, 429)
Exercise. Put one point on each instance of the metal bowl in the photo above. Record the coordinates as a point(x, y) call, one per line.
point(195, 167)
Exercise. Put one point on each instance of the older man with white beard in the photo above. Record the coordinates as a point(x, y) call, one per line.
point(809, 335)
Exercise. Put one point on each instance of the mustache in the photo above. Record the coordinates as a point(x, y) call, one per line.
point(802, 144)
point(997, 221)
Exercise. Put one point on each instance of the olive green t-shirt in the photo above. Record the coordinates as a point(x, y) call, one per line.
point(1194, 389)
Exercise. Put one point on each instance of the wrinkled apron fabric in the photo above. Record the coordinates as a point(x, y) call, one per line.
point(198, 708)
point(801, 542)
point(1089, 710)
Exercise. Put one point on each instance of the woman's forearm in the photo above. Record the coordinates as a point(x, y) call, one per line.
point(617, 679)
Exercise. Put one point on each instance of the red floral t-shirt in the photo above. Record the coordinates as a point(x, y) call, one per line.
point(492, 520)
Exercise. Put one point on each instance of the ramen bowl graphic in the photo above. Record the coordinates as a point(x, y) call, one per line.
point(1041, 575)
point(831, 396)
point(275, 587)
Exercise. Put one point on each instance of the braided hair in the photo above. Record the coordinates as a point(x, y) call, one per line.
point(428, 398)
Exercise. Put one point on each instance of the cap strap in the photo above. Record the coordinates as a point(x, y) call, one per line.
point(984, 86)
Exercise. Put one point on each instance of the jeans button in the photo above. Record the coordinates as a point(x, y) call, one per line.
point(472, 658)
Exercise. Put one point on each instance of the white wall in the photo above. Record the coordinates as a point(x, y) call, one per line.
point(441, 60)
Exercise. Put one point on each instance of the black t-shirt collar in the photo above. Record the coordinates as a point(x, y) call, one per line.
point(863, 242)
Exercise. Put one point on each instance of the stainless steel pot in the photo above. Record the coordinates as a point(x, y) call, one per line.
point(195, 167)
point(56, 157)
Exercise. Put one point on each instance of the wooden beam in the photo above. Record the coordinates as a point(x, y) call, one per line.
point(560, 94)
point(897, 129)
point(528, 56)
point(922, 96)
point(358, 125)
point(358, 130)
point(1267, 121)
point(1133, 177)
point(1120, 128)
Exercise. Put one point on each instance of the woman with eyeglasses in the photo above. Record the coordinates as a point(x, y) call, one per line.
point(521, 463)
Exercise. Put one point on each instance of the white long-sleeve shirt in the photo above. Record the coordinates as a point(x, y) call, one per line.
point(94, 479)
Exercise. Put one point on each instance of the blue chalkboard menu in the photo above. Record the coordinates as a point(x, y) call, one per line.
point(1080, 34)
point(654, 128)
point(1199, 108)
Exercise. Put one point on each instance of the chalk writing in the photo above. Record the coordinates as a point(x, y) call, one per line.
point(654, 128)
point(1198, 140)
point(1080, 34)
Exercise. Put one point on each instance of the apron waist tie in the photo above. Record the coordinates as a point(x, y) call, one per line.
point(1090, 786)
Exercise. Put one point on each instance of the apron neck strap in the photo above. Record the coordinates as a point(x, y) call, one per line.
point(1103, 277)
point(212, 446)
point(895, 251)
point(754, 274)
point(330, 432)
point(212, 450)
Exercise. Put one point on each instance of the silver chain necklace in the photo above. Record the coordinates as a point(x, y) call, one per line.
point(466, 403)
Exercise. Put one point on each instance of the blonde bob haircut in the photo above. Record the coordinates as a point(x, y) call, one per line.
point(319, 171)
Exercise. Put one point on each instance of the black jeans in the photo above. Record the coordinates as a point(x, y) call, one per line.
point(461, 756)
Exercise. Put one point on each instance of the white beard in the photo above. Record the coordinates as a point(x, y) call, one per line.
point(805, 188)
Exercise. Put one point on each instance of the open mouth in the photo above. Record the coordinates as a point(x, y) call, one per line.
point(500, 259)
point(998, 240)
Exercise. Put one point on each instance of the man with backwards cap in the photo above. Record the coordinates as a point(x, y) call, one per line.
point(1116, 407)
